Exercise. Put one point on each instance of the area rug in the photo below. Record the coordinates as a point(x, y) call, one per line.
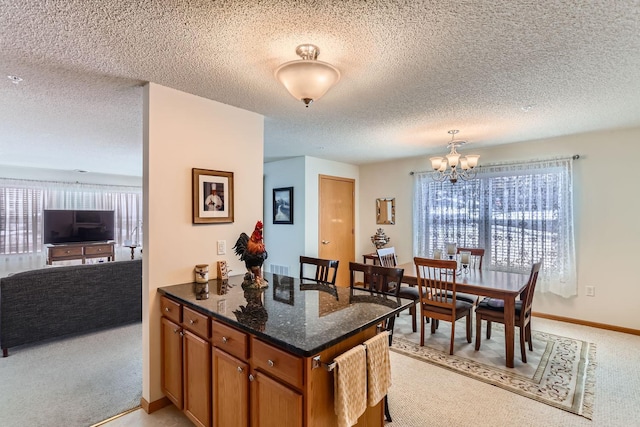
point(560, 371)
point(73, 382)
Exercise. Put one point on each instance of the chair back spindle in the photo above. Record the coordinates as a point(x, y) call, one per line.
point(324, 270)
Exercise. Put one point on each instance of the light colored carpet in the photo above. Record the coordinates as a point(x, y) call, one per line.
point(560, 371)
point(76, 381)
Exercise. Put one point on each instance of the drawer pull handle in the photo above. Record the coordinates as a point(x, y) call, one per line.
point(224, 340)
point(175, 331)
point(167, 309)
point(270, 363)
point(240, 369)
point(66, 252)
point(181, 333)
point(251, 377)
point(193, 322)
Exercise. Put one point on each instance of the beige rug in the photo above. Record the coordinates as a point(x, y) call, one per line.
point(560, 371)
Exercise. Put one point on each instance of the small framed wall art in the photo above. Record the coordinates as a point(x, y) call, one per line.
point(212, 196)
point(283, 205)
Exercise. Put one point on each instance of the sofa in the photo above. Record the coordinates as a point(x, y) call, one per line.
point(63, 300)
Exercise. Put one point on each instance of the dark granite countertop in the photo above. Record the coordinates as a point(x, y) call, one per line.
point(303, 319)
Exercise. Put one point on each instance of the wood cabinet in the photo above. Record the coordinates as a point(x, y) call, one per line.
point(186, 361)
point(171, 375)
point(274, 404)
point(231, 378)
point(197, 379)
point(81, 251)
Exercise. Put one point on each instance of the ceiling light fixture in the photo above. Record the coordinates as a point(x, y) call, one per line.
point(14, 79)
point(307, 79)
point(453, 159)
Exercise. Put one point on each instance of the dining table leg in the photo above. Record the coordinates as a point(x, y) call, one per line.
point(509, 329)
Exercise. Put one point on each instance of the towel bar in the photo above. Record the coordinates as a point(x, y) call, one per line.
point(316, 362)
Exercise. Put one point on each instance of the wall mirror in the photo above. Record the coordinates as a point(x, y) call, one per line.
point(386, 211)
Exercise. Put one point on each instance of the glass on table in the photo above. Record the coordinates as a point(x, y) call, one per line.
point(465, 260)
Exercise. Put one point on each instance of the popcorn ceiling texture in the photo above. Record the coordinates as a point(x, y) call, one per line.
point(411, 70)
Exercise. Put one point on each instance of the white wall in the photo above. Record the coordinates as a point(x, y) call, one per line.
point(301, 238)
point(606, 205)
point(285, 242)
point(181, 132)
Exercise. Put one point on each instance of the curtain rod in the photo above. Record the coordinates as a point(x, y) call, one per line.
point(574, 157)
point(36, 181)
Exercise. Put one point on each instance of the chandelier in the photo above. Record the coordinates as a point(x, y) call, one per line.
point(307, 79)
point(459, 167)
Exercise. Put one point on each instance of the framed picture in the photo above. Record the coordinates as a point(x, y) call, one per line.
point(283, 289)
point(283, 205)
point(212, 196)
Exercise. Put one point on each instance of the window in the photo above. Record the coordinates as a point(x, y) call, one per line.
point(23, 201)
point(520, 213)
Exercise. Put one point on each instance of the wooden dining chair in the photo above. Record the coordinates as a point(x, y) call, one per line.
point(387, 258)
point(382, 282)
point(477, 255)
point(435, 278)
point(324, 270)
point(492, 310)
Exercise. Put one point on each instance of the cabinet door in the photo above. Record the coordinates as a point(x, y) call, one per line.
point(171, 354)
point(230, 390)
point(274, 404)
point(197, 379)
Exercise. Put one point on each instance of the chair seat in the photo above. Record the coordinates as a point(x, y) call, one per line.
point(497, 305)
point(409, 292)
point(473, 299)
point(460, 306)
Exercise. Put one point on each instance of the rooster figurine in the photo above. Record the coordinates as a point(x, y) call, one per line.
point(251, 250)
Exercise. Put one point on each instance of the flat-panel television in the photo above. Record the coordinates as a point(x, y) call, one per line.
point(73, 226)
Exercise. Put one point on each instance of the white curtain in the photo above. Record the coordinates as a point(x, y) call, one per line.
point(22, 203)
point(520, 213)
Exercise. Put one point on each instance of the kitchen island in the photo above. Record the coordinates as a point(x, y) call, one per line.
point(258, 357)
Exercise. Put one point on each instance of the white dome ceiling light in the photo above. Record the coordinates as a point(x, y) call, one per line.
point(307, 79)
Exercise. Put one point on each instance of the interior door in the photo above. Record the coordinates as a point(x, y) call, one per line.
point(337, 223)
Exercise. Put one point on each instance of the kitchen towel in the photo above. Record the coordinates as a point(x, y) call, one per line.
point(350, 385)
point(378, 367)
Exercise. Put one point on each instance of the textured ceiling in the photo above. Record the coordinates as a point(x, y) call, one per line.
point(411, 70)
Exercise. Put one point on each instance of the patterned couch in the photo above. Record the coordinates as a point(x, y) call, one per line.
point(56, 301)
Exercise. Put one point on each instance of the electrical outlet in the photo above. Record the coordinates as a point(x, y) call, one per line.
point(591, 291)
point(222, 247)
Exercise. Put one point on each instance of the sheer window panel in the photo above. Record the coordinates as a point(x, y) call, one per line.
point(520, 213)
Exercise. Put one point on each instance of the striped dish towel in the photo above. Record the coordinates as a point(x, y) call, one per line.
point(350, 386)
point(378, 367)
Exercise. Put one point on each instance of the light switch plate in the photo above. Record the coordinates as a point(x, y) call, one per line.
point(222, 247)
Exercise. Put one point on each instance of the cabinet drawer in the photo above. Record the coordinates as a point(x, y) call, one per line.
point(97, 250)
point(170, 309)
point(277, 363)
point(195, 322)
point(229, 339)
point(62, 252)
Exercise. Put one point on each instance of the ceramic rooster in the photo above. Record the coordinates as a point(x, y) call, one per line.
point(251, 250)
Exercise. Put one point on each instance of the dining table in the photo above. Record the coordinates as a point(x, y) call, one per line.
point(502, 285)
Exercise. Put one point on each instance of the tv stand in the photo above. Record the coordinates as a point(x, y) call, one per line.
point(83, 251)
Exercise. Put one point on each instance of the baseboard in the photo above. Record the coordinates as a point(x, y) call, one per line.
point(587, 323)
point(108, 420)
point(155, 405)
